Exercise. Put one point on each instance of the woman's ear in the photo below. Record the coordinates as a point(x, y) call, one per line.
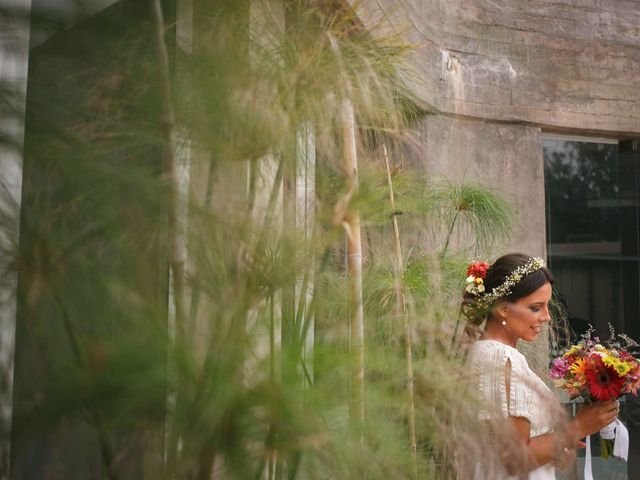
point(501, 310)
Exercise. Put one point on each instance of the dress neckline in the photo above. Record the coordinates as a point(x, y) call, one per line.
point(496, 341)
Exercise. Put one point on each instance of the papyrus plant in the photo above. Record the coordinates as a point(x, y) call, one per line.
point(222, 165)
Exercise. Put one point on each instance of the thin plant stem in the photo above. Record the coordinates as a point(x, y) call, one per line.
point(177, 241)
point(449, 233)
point(195, 292)
point(176, 236)
point(272, 339)
point(351, 223)
point(455, 345)
point(400, 311)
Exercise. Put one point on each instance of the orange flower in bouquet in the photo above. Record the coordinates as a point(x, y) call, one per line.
point(598, 371)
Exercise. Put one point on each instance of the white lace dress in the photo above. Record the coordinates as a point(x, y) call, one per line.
point(529, 397)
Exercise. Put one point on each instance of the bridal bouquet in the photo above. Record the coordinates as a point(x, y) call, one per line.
point(599, 371)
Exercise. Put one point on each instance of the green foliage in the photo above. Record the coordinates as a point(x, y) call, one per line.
point(476, 213)
point(256, 382)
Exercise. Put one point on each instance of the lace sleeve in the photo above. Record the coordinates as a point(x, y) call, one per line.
point(490, 362)
point(521, 393)
point(518, 390)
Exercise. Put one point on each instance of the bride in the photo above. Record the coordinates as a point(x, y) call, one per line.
point(523, 421)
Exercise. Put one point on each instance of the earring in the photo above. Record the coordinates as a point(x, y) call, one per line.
point(504, 322)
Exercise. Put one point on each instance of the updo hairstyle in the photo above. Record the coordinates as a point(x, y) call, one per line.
point(476, 313)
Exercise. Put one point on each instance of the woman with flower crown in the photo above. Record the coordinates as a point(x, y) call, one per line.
point(524, 424)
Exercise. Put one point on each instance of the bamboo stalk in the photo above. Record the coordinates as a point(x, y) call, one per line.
point(175, 228)
point(351, 223)
point(400, 311)
point(176, 237)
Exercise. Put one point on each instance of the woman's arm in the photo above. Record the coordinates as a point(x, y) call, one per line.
point(557, 447)
point(525, 454)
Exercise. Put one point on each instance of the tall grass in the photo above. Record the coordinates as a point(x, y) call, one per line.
point(243, 371)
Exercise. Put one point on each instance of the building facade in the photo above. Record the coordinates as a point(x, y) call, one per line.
point(539, 99)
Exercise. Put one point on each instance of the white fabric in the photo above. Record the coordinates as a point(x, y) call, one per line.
point(621, 446)
point(529, 397)
point(588, 474)
point(615, 431)
point(609, 432)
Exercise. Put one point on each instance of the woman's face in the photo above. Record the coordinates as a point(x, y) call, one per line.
point(526, 316)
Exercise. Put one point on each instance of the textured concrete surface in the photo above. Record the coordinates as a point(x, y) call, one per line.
point(505, 157)
point(559, 64)
point(500, 72)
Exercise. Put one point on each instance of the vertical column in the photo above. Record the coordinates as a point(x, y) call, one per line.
point(14, 60)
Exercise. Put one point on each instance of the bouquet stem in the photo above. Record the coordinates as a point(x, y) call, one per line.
point(606, 448)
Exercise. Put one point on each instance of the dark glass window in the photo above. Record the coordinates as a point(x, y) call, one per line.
point(592, 232)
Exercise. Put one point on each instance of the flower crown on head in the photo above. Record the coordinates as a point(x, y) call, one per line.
point(477, 272)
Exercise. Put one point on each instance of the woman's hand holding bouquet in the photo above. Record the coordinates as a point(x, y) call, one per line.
point(600, 373)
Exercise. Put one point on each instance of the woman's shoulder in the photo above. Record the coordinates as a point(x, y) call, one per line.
point(485, 345)
point(495, 352)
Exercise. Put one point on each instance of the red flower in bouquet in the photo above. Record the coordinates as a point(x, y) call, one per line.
point(603, 381)
point(598, 370)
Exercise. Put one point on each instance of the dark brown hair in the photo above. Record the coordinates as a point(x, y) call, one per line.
point(496, 276)
point(505, 265)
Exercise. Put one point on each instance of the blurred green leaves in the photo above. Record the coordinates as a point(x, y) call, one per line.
point(259, 384)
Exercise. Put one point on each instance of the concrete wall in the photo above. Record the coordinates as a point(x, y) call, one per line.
point(559, 64)
point(497, 73)
point(508, 157)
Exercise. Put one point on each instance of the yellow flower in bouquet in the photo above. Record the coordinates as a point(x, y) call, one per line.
point(598, 372)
